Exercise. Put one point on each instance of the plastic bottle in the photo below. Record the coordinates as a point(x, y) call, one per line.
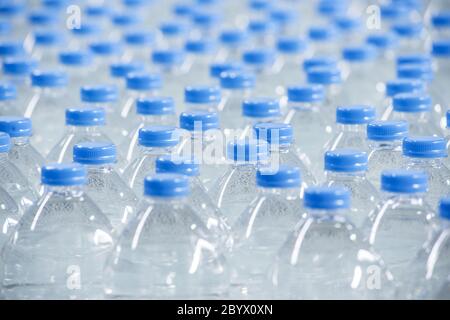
point(82, 125)
point(262, 228)
point(154, 141)
point(206, 98)
point(324, 40)
point(233, 191)
point(428, 154)
point(173, 34)
point(11, 49)
point(198, 199)
point(47, 45)
point(61, 244)
point(325, 256)
point(200, 54)
point(262, 62)
point(385, 44)
point(8, 100)
point(139, 44)
point(385, 147)
point(165, 240)
point(84, 34)
point(105, 52)
point(411, 37)
point(233, 42)
point(399, 226)
point(262, 32)
point(22, 153)
point(217, 68)
point(282, 150)
point(348, 168)
point(104, 185)
point(397, 87)
point(10, 214)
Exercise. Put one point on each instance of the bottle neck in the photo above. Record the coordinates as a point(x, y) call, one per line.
point(288, 193)
point(391, 144)
point(333, 176)
point(102, 168)
point(75, 191)
point(355, 128)
point(433, 162)
point(84, 129)
point(329, 214)
point(303, 106)
point(20, 141)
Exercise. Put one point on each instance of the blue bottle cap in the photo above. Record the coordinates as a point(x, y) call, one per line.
point(345, 160)
point(261, 108)
point(259, 57)
point(63, 174)
point(412, 102)
point(247, 150)
point(233, 37)
point(5, 142)
point(348, 24)
point(182, 9)
point(284, 177)
point(327, 198)
point(136, 4)
point(155, 106)
point(16, 126)
point(355, 114)
point(291, 45)
point(324, 75)
point(11, 49)
point(441, 20)
point(139, 38)
point(85, 117)
point(97, 11)
point(447, 115)
point(382, 41)
point(19, 66)
point(8, 91)
point(322, 33)
point(166, 185)
point(332, 8)
point(125, 19)
point(313, 62)
point(415, 71)
point(408, 30)
point(99, 94)
point(106, 48)
point(49, 78)
point(5, 28)
point(10, 9)
point(387, 130)
point(177, 165)
point(202, 94)
point(158, 136)
point(122, 69)
point(393, 12)
point(216, 69)
point(76, 58)
point(205, 18)
point(168, 57)
point(173, 28)
point(260, 26)
point(142, 81)
point(200, 46)
point(441, 48)
point(283, 16)
point(424, 147)
point(306, 94)
point(399, 86)
point(404, 181)
point(94, 153)
point(414, 59)
point(86, 29)
point(260, 5)
point(42, 18)
point(444, 208)
point(199, 120)
point(274, 133)
point(237, 80)
point(359, 53)
point(55, 4)
point(48, 38)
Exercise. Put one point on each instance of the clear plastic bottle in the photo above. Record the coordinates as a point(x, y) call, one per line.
point(348, 168)
point(10, 214)
point(104, 185)
point(351, 131)
point(399, 226)
point(203, 141)
point(82, 125)
point(17, 71)
point(217, 68)
point(411, 37)
point(61, 244)
point(200, 54)
point(173, 34)
point(306, 115)
point(205, 23)
point(167, 240)
point(233, 191)
point(11, 49)
point(324, 40)
point(84, 34)
point(428, 154)
point(262, 62)
point(236, 88)
point(325, 256)
point(286, 20)
point(22, 152)
point(118, 72)
point(429, 270)
point(8, 100)
point(149, 111)
point(262, 32)
point(139, 44)
point(198, 199)
point(106, 52)
point(282, 150)
point(47, 105)
point(47, 45)
point(233, 42)
point(441, 58)
point(385, 147)
point(206, 98)
point(154, 141)
point(385, 44)
point(261, 229)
